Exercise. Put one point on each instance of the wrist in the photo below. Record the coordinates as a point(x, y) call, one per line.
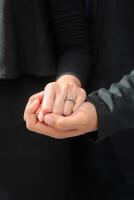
point(69, 79)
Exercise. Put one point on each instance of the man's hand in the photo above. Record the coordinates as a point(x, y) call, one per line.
point(80, 122)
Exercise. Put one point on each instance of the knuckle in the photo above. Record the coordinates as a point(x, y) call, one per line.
point(49, 85)
point(82, 91)
point(72, 87)
point(64, 86)
point(69, 85)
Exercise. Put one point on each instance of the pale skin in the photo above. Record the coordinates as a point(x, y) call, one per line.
point(79, 119)
point(53, 100)
point(55, 93)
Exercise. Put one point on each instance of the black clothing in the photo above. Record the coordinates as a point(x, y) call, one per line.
point(43, 37)
point(112, 25)
point(32, 167)
point(101, 167)
point(115, 107)
point(3, 194)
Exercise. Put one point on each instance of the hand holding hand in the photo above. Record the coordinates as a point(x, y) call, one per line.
point(59, 111)
point(62, 97)
point(80, 122)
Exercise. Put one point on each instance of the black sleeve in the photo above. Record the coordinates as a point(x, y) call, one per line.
point(69, 22)
point(115, 107)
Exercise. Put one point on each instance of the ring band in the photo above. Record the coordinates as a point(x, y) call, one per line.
point(70, 99)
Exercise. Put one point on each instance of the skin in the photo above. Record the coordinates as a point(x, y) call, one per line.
point(55, 93)
point(81, 121)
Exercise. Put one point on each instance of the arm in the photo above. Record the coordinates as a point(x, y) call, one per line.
point(68, 19)
point(69, 28)
point(115, 107)
point(107, 111)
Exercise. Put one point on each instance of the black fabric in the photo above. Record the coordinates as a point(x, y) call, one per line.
point(3, 193)
point(112, 25)
point(31, 166)
point(115, 107)
point(37, 38)
point(97, 171)
point(43, 38)
point(106, 169)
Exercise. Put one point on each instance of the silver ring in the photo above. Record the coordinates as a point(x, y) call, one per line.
point(70, 99)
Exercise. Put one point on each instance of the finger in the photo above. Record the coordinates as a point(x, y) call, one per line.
point(71, 122)
point(31, 121)
point(57, 134)
point(34, 125)
point(31, 108)
point(37, 112)
point(81, 97)
point(68, 107)
point(61, 92)
point(38, 95)
point(48, 100)
point(43, 129)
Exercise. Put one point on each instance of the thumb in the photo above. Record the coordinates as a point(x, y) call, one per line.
point(62, 123)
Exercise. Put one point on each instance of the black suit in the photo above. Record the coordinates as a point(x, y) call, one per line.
point(109, 164)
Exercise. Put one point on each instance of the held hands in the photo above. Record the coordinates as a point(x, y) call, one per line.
point(60, 111)
point(61, 97)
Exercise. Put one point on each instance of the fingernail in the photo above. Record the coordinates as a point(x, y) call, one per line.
point(49, 120)
point(41, 116)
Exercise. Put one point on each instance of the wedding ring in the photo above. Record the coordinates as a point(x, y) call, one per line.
point(70, 99)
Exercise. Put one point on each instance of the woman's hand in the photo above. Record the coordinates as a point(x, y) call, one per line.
point(38, 97)
point(80, 122)
point(62, 97)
